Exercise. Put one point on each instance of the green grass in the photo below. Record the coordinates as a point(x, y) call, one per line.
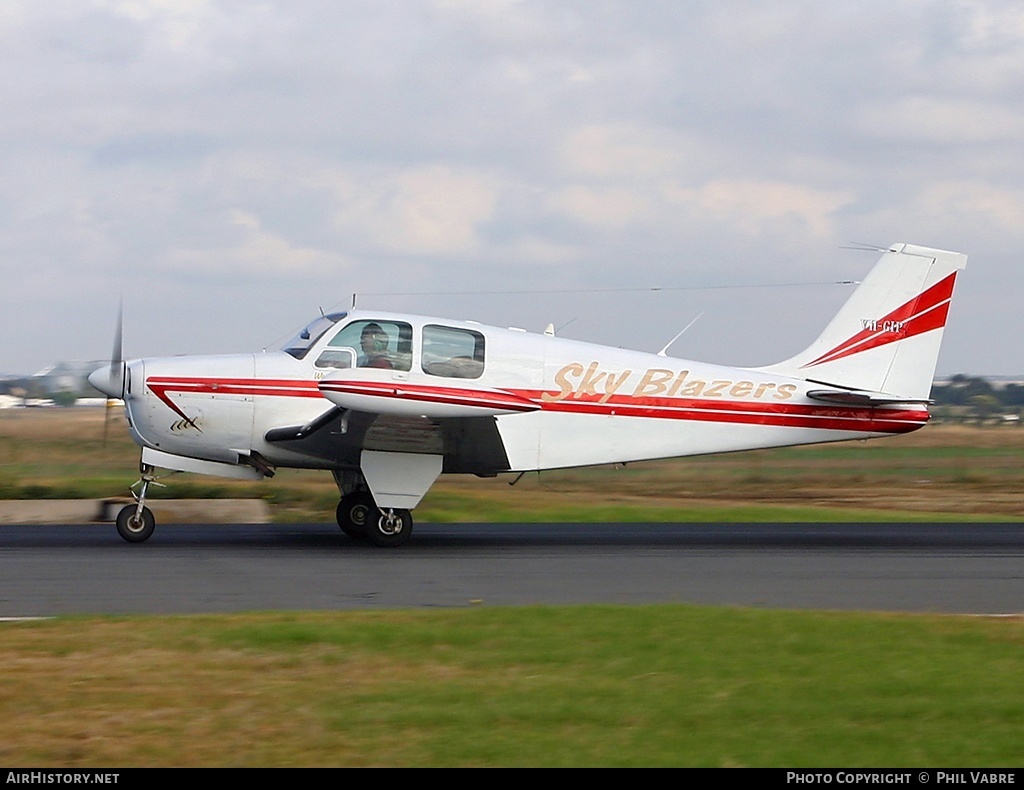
point(937, 473)
point(533, 686)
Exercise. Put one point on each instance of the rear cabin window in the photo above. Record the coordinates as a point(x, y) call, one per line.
point(372, 344)
point(452, 353)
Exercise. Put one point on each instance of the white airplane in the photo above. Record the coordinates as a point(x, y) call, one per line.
point(387, 402)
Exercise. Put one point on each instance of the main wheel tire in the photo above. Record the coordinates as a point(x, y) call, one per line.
point(354, 512)
point(389, 530)
point(135, 529)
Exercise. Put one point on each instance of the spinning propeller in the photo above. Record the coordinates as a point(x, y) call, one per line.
point(110, 380)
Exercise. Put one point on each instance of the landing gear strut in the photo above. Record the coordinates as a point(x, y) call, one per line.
point(135, 523)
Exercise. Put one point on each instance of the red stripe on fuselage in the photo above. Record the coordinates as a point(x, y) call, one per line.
point(887, 420)
point(792, 415)
point(288, 388)
point(486, 399)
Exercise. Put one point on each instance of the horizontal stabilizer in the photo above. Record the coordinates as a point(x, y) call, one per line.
point(862, 398)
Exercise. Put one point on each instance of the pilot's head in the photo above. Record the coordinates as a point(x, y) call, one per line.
point(373, 339)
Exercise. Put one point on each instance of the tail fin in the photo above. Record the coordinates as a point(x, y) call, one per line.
point(886, 338)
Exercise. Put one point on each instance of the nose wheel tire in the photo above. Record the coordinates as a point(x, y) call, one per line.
point(133, 526)
point(353, 513)
point(389, 527)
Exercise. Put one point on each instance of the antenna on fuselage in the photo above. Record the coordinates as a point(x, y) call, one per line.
point(680, 334)
point(353, 301)
point(551, 331)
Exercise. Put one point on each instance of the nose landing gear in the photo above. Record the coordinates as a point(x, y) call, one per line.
point(135, 523)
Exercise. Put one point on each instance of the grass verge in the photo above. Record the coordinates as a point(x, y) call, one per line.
point(937, 473)
point(535, 686)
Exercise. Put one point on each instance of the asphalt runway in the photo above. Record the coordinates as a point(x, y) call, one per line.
point(941, 568)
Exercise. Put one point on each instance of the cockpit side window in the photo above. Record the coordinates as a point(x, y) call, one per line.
point(376, 344)
point(452, 353)
point(337, 358)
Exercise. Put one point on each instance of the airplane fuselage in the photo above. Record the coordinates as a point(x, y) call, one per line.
point(553, 403)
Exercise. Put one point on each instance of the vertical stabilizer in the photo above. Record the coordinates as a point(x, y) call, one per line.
point(886, 337)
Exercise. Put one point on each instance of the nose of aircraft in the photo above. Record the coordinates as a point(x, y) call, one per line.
point(109, 379)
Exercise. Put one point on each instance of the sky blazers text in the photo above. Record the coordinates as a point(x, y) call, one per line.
point(578, 382)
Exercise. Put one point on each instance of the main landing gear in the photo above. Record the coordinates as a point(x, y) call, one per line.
point(400, 479)
point(358, 514)
point(359, 517)
point(353, 513)
point(135, 523)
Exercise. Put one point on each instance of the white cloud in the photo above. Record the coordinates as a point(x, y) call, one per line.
point(991, 26)
point(608, 208)
point(975, 203)
point(937, 119)
point(177, 23)
point(252, 251)
point(430, 210)
point(621, 151)
point(180, 145)
point(756, 206)
point(490, 9)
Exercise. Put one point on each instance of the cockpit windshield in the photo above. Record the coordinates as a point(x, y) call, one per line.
point(299, 345)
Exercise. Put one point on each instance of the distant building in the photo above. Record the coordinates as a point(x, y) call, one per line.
point(67, 377)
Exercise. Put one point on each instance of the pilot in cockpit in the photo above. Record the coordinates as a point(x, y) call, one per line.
point(374, 345)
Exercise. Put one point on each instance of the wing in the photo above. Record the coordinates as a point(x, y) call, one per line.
point(338, 436)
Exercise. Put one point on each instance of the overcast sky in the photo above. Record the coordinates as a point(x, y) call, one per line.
point(230, 168)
